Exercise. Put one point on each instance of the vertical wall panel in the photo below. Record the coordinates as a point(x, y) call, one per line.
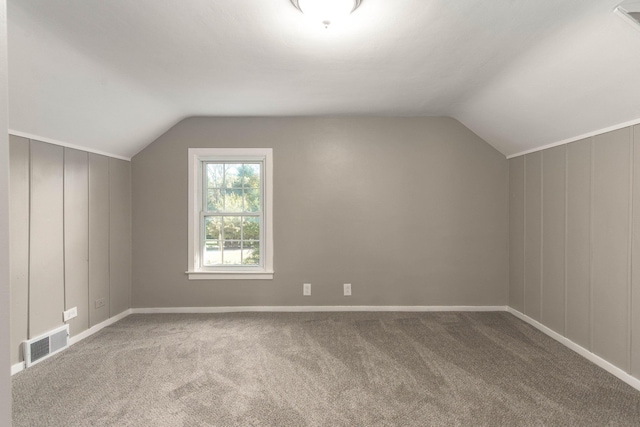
point(610, 251)
point(19, 242)
point(46, 269)
point(120, 235)
point(516, 233)
point(578, 242)
point(76, 237)
point(50, 236)
point(98, 238)
point(635, 291)
point(553, 236)
point(533, 234)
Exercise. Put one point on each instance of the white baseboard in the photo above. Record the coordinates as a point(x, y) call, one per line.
point(607, 366)
point(314, 308)
point(110, 321)
point(18, 367)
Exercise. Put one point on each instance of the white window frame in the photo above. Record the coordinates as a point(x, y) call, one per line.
point(196, 158)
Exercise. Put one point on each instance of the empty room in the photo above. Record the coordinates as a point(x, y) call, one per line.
point(319, 213)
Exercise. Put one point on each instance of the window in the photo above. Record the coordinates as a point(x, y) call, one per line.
point(230, 213)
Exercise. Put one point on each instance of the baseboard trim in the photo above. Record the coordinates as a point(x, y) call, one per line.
point(18, 367)
point(607, 366)
point(592, 357)
point(110, 321)
point(313, 308)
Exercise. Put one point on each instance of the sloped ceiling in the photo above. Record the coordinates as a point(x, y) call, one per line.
point(113, 75)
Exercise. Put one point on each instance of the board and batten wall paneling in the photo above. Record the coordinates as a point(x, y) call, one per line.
point(119, 235)
point(579, 242)
point(533, 235)
point(46, 267)
point(76, 237)
point(19, 242)
point(635, 287)
point(553, 238)
point(51, 199)
point(98, 239)
point(516, 233)
point(588, 194)
point(610, 246)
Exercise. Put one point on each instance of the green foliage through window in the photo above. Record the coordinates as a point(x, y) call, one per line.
point(232, 213)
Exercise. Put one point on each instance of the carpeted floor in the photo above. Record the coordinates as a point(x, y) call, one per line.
point(321, 369)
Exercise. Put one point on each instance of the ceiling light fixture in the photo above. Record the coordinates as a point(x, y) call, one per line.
point(327, 11)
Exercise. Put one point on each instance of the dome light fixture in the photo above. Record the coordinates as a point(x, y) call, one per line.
point(326, 11)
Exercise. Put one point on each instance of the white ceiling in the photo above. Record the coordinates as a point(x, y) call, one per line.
point(113, 75)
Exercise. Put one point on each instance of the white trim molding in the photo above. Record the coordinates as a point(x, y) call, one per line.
point(577, 138)
point(315, 308)
point(592, 357)
point(110, 321)
point(196, 158)
point(607, 366)
point(245, 275)
point(18, 367)
point(622, 13)
point(66, 144)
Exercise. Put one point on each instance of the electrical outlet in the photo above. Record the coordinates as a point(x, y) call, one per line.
point(306, 289)
point(100, 303)
point(347, 289)
point(70, 314)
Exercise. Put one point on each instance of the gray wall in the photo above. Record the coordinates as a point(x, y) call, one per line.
point(70, 238)
point(5, 381)
point(411, 211)
point(575, 238)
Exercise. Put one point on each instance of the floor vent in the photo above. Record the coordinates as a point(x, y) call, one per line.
point(44, 346)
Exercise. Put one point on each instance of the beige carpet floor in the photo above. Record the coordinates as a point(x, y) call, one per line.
point(321, 369)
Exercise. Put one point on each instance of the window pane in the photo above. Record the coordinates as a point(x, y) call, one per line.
point(232, 225)
point(215, 200)
point(232, 176)
point(215, 173)
point(212, 226)
point(251, 200)
point(251, 174)
point(250, 253)
point(212, 253)
point(233, 200)
point(250, 228)
point(232, 254)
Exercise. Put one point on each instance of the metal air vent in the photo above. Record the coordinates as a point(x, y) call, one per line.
point(39, 348)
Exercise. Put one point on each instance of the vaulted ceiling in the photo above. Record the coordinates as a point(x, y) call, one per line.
point(113, 75)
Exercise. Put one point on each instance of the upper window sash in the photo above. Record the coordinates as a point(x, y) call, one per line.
point(204, 194)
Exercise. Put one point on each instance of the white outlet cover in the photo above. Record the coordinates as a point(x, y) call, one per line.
point(70, 314)
point(347, 289)
point(306, 289)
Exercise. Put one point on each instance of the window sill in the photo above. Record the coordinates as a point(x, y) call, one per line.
point(224, 275)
